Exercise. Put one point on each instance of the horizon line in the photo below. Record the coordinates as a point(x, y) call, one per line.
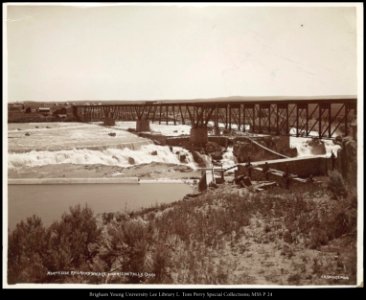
point(320, 97)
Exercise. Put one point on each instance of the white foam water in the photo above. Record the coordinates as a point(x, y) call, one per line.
point(168, 130)
point(110, 157)
point(228, 158)
point(305, 149)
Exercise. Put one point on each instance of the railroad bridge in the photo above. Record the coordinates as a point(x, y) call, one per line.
point(295, 116)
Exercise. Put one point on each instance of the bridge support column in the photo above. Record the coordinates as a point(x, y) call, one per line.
point(199, 136)
point(142, 125)
point(216, 129)
point(216, 122)
point(109, 120)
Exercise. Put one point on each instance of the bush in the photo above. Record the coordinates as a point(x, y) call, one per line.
point(318, 238)
point(294, 279)
point(161, 261)
point(337, 185)
point(107, 218)
point(65, 245)
point(26, 251)
point(69, 240)
point(128, 246)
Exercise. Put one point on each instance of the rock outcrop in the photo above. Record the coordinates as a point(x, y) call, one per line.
point(245, 149)
point(346, 162)
point(215, 150)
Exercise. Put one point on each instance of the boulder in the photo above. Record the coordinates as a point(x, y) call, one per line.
point(317, 146)
point(243, 180)
point(131, 161)
point(246, 181)
point(183, 158)
point(346, 161)
point(212, 147)
point(216, 155)
point(242, 150)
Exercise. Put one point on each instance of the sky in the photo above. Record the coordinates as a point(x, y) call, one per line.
point(58, 53)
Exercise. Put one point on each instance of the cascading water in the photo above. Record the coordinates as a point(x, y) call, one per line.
point(111, 157)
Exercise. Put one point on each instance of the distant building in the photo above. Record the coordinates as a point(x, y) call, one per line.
point(15, 107)
point(44, 110)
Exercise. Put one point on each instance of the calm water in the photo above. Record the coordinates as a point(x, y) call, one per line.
point(50, 201)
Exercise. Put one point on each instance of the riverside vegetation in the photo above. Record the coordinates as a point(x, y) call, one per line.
point(224, 236)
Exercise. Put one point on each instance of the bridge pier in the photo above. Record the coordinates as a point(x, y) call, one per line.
point(109, 120)
point(216, 130)
point(199, 136)
point(142, 125)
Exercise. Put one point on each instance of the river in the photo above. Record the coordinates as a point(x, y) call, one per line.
point(50, 201)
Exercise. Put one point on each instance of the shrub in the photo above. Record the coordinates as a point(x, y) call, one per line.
point(287, 237)
point(107, 218)
point(294, 279)
point(316, 266)
point(161, 261)
point(25, 252)
point(70, 239)
point(65, 245)
point(318, 238)
point(128, 245)
point(337, 185)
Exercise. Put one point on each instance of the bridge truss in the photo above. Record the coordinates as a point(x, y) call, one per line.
point(320, 118)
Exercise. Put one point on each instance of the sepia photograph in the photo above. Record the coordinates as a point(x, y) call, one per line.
point(182, 144)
